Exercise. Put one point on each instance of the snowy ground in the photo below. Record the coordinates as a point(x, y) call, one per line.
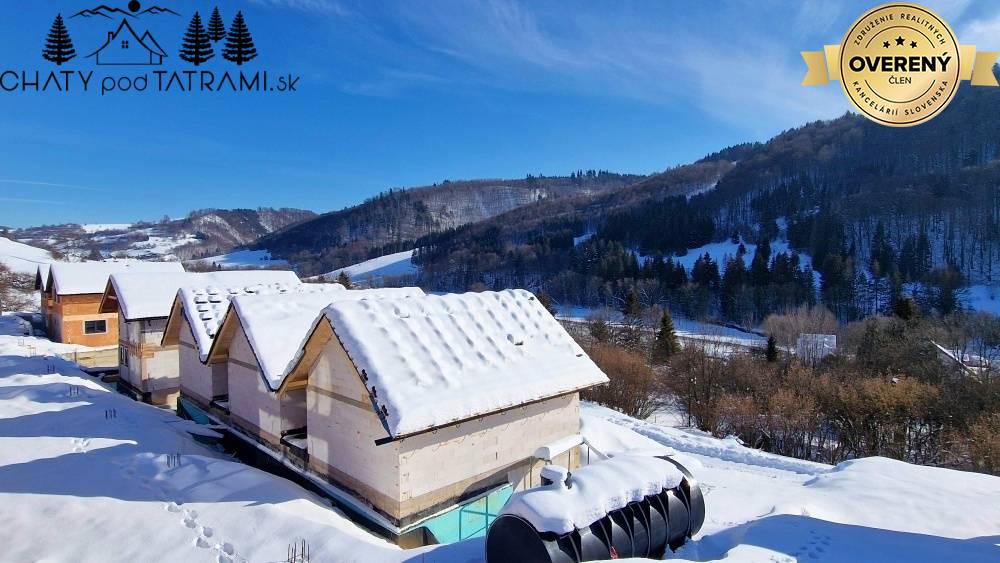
point(763, 507)
point(16, 340)
point(246, 259)
point(398, 264)
point(686, 329)
point(92, 228)
point(89, 475)
point(22, 258)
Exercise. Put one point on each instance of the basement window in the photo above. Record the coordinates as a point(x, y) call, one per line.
point(95, 327)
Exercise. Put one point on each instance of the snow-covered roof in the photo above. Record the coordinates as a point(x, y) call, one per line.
point(439, 359)
point(205, 306)
point(147, 295)
point(78, 278)
point(276, 325)
point(592, 492)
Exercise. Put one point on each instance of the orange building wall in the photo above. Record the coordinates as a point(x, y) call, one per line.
point(68, 313)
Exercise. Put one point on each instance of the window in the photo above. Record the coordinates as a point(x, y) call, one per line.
point(125, 44)
point(95, 327)
point(122, 355)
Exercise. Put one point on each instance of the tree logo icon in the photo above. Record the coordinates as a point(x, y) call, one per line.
point(216, 29)
point(122, 45)
point(197, 46)
point(58, 46)
point(239, 44)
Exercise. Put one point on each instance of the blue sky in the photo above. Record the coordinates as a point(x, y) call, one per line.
point(403, 93)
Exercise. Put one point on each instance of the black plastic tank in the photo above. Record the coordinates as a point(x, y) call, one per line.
point(640, 529)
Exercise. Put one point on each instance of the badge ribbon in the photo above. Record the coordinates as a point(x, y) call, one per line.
point(900, 65)
point(823, 66)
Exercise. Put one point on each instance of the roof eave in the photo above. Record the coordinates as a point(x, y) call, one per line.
point(390, 438)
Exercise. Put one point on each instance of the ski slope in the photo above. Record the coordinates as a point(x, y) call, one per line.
point(89, 475)
point(397, 264)
point(245, 259)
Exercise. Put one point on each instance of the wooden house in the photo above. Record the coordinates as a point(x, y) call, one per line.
point(259, 340)
point(415, 406)
point(71, 299)
point(193, 323)
point(148, 370)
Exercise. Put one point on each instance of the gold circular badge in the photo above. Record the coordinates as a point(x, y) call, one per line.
point(899, 64)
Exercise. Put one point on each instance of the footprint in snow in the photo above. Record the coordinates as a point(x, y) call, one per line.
point(80, 445)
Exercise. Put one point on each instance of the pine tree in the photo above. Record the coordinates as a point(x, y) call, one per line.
point(772, 349)
point(239, 44)
point(632, 307)
point(599, 330)
point(197, 48)
point(344, 279)
point(216, 27)
point(666, 344)
point(906, 309)
point(58, 45)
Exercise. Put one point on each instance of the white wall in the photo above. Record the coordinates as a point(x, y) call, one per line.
point(159, 371)
point(195, 377)
point(250, 399)
point(484, 446)
point(342, 435)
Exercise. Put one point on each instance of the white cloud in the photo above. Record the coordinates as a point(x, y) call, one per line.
point(983, 33)
point(47, 184)
point(329, 7)
point(737, 73)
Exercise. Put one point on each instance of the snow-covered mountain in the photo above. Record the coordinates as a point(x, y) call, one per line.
point(202, 233)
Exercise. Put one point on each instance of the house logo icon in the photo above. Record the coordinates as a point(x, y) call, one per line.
point(125, 47)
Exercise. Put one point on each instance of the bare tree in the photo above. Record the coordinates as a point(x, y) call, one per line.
point(16, 290)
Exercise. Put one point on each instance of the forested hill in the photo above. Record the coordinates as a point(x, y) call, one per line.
point(393, 220)
point(882, 213)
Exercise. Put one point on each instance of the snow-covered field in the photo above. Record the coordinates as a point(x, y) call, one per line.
point(89, 475)
point(983, 298)
point(686, 329)
point(763, 507)
point(91, 228)
point(16, 340)
point(22, 258)
point(397, 264)
point(245, 259)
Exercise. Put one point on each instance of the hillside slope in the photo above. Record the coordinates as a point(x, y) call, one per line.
point(202, 233)
point(22, 258)
point(391, 221)
point(920, 202)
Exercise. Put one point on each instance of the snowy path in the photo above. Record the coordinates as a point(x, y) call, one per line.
point(763, 507)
